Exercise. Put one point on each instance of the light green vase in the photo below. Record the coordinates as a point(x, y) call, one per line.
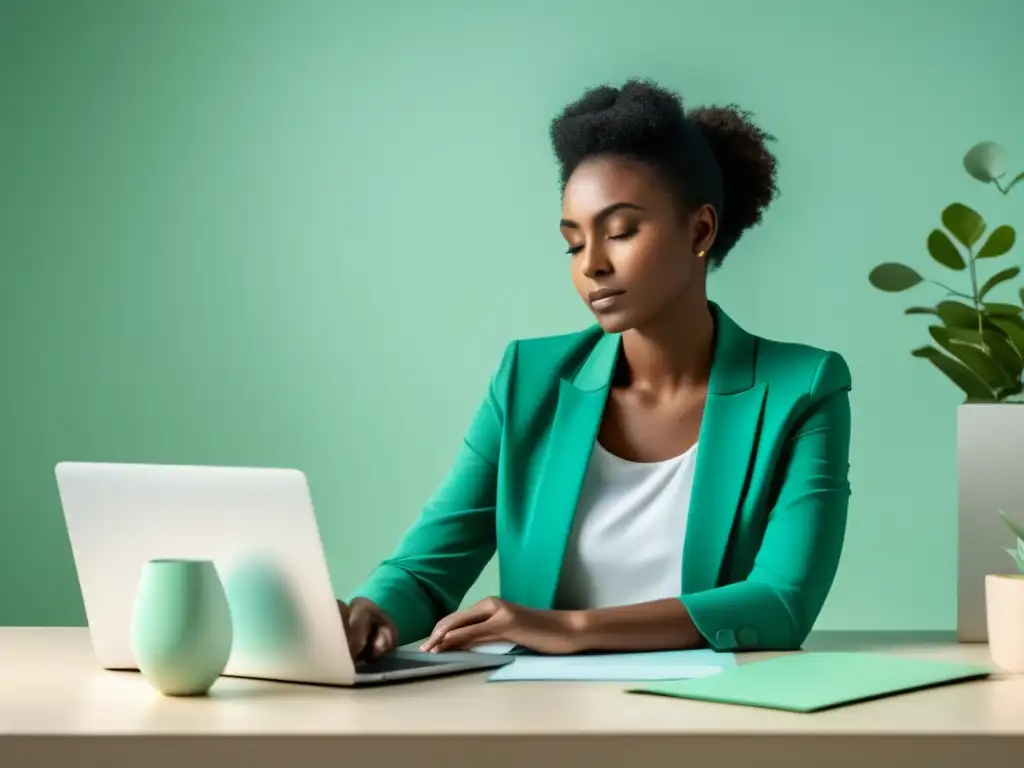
point(181, 629)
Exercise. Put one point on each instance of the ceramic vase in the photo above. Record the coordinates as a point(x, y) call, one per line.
point(181, 631)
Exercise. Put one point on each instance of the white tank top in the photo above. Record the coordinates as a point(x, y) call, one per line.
point(626, 542)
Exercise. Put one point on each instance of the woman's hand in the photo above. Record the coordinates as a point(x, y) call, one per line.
point(495, 620)
point(370, 631)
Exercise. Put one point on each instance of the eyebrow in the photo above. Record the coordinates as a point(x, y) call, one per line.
point(603, 213)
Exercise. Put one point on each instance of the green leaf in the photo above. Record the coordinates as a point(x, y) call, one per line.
point(920, 311)
point(1018, 558)
point(965, 223)
point(984, 366)
point(998, 309)
point(943, 251)
point(980, 362)
point(1011, 395)
point(1014, 331)
point(956, 314)
point(999, 242)
point(1004, 353)
point(999, 277)
point(941, 336)
point(995, 344)
point(1012, 184)
point(1013, 525)
point(893, 277)
point(985, 161)
point(973, 387)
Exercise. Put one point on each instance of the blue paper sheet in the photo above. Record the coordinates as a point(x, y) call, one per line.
point(615, 667)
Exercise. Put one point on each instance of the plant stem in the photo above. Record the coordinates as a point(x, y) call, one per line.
point(976, 297)
point(951, 292)
point(1006, 190)
point(974, 279)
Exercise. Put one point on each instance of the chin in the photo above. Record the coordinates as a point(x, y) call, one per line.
point(615, 322)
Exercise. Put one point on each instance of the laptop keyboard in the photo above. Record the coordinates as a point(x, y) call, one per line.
point(392, 664)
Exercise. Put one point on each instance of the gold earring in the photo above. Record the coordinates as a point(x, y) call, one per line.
point(700, 254)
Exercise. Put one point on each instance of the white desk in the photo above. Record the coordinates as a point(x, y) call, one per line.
point(58, 708)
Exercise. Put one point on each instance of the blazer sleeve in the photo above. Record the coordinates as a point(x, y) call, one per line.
point(442, 554)
point(775, 607)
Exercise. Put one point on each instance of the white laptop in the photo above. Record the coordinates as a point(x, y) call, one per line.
point(258, 527)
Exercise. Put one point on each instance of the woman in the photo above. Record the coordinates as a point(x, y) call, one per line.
point(663, 479)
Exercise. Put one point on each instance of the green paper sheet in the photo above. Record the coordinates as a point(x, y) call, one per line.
point(808, 682)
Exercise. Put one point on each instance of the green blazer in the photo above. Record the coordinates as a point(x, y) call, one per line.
point(768, 507)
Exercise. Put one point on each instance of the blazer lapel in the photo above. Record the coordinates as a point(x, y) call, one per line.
point(728, 438)
point(578, 414)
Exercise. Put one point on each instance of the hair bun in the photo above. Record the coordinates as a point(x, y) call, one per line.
point(748, 169)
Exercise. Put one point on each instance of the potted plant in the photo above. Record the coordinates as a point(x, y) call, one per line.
point(1004, 607)
point(977, 343)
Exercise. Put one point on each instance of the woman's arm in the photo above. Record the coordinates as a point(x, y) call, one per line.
point(657, 625)
point(443, 553)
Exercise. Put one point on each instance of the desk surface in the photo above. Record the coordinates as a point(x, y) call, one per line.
point(51, 686)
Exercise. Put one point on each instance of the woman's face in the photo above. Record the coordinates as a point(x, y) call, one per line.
point(634, 254)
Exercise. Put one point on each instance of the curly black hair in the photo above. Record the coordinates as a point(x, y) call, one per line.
point(713, 155)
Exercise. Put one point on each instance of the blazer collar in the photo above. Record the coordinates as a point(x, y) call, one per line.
point(732, 362)
point(728, 436)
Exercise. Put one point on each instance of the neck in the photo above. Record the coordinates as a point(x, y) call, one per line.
point(674, 350)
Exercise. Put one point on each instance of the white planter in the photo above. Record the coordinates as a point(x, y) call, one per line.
point(990, 477)
point(1004, 598)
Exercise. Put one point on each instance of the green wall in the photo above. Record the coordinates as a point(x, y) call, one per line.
point(300, 233)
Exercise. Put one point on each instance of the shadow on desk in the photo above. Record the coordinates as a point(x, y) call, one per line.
point(879, 641)
point(112, 683)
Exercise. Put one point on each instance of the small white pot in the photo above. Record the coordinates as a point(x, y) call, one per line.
point(1004, 614)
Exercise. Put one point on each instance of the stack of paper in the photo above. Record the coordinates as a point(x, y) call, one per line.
point(660, 665)
point(808, 682)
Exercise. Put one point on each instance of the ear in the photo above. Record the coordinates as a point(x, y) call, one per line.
point(703, 228)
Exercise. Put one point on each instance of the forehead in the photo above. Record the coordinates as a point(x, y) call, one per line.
point(598, 182)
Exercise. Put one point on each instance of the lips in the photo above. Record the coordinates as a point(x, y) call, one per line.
point(605, 298)
point(604, 293)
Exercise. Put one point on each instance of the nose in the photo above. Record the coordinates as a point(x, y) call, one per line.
point(594, 260)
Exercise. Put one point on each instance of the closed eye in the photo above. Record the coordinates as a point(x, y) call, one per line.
point(573, 250)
